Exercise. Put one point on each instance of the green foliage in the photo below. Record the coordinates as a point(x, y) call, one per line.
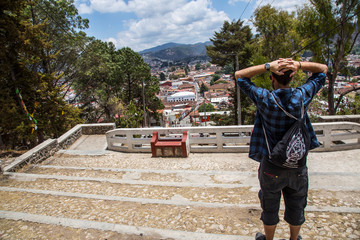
point(107, 79)
point(206, 107)
point(197, 66)
point(131, 118)
point(232, 40)
point(338, 35)
point(222, 120)
point(349, 106)
point(277, 34)
point(28, 54)
point(203, 88)
point(231, 45)
point(162, 76)
point(214, 78)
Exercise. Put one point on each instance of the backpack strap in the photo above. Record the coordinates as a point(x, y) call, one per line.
point(267, 142)
point(288, 114)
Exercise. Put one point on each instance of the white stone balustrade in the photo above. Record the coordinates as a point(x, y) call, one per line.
point(224, 139)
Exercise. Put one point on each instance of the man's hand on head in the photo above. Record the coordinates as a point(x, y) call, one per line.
point(278, 65)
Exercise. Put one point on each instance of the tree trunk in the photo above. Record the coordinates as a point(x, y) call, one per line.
point(340, 56)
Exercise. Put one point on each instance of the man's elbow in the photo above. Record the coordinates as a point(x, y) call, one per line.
point(238, 75)
point(325, 69)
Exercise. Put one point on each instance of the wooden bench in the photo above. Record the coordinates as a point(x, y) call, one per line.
point(170, 147)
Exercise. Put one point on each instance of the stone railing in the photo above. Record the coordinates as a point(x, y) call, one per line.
point(340, 118)
point(224, 139)
point(50, 146)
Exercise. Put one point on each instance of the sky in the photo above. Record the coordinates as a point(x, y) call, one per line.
point(143, 24)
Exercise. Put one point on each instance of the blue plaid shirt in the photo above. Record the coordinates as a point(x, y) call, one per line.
point(275, 121)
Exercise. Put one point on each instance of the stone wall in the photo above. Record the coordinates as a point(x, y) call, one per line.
point(51, 146)
point(69, 137)
point(96, 129)
point(35, 155)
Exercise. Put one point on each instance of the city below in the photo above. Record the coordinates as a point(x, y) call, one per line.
point(181, 93)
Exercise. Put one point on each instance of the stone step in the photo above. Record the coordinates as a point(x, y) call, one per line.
point(219, 177)
point(227, 220)
point(198, 162)
point(207, 193)
point(134, 196)
point(33, 226)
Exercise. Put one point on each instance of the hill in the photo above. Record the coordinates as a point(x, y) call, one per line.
point(176, 52)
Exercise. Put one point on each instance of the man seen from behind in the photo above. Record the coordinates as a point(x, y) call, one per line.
point(270, 126)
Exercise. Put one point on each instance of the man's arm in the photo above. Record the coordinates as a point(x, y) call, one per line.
point(250, 72)
point(307, 66)
point(313, 67)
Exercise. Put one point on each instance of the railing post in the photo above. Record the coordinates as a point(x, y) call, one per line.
point(327, 137)
point(219, 139)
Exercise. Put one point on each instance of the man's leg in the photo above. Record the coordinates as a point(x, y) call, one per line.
point(294, 231)
point(271, 184)
point(295, 197)
point(269, 231)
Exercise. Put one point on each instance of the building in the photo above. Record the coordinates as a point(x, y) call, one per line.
point(181, 97)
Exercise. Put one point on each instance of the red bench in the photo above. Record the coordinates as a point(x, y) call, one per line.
point(170, 147)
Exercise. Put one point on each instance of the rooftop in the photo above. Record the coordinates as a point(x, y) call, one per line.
point(88, 192)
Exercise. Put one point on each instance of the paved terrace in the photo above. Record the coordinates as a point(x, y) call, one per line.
point(88, 192)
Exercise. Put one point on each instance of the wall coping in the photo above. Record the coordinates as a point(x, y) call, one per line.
point(50, 146)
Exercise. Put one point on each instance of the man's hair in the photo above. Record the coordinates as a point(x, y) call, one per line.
point(283, 79)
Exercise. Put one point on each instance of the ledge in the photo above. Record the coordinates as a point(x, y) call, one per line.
point(50, 146)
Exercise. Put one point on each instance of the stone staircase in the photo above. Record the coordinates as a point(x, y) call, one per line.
point(113, 195)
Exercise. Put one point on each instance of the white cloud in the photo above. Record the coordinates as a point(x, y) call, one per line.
point(288, 5)
point(113, 40)
point(162, 21)
point(84, 8)
point(233, 2)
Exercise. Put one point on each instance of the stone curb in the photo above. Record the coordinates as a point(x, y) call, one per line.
point(252, 182)
point(172, 202)
point(124, 229)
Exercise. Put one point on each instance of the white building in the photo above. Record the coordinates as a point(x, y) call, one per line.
point(181, 97)
point(176, 84)
point(218, 100)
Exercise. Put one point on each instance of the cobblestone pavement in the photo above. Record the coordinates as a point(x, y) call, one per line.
point(134, 196)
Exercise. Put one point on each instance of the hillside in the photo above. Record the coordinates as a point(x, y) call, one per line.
point(176, 52)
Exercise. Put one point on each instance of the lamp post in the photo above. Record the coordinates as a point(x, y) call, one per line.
point(144, 108)
point(238, 92)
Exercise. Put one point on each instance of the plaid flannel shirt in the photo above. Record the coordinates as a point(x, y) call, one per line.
point(276, 123)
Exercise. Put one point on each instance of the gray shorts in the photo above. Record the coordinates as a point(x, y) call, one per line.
point(292, 183)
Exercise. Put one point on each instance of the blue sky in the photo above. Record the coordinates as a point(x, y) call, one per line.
point(142, 24)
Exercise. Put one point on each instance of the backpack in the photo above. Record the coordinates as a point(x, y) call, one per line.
point(291, 151)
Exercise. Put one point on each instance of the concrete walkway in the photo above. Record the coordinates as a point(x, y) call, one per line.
point(87, 192)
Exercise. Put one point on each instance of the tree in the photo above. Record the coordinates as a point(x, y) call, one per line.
point(131, 117)
point(162, 76)
point(206, 107)
point(203, 88)
point(330, 42)
point(33, 105)
point(98, 81)
point(231, 45)
point(108, 80)
point(214, 78)
point(152, 102)
point(277, 37)
point(222, 120)
point(197, 66)
point(135, 70)
point(277, 33)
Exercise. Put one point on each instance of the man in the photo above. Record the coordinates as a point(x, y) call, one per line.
point(274, 180)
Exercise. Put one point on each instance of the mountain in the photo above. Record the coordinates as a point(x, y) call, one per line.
point(176, 52)
point(160, 47)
